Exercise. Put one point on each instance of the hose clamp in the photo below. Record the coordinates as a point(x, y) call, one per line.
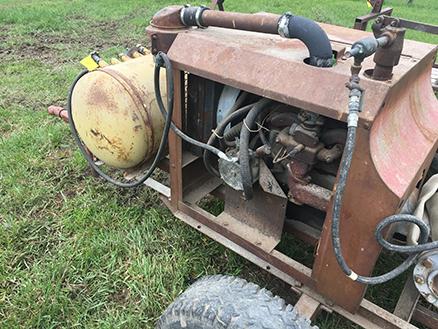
point(198, 16)
point(283, 25)
point(181, 14)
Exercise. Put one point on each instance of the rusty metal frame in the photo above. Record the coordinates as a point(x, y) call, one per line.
point(182, 202)
point(371, 169)
point(361, 22)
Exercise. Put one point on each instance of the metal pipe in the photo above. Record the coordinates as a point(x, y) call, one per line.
point(287, 26)
point(260, 22)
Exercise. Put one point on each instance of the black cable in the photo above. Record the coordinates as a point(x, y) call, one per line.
point(162, 57)
point(88, 157)
point(244, 156)
point(354, 108)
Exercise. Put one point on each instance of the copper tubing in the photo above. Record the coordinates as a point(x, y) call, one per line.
point(260, 22)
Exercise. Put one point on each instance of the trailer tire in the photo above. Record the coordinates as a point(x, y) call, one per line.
point(220, 301)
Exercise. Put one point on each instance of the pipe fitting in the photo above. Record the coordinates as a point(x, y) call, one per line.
point(192, 16)
point(311, 34)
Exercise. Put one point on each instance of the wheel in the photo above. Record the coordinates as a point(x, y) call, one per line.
point(220, 301)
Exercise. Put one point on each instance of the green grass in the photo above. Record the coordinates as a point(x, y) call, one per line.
point(75, 252)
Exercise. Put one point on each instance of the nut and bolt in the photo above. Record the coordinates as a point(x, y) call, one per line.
point(419, 279)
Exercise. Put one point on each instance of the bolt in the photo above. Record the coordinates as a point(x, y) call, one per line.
point(379, 19)
point(427, 263)
point(154, 36)
point(419, 279)
point(393, 23)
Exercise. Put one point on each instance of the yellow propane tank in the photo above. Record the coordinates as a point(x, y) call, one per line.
point(116, 114)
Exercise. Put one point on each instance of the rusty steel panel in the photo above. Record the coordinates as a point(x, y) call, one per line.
point(405, 132)
point(248, 217)
point(248, 60)
point(367, 200)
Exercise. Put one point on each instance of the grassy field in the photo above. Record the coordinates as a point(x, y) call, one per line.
point(74, 251)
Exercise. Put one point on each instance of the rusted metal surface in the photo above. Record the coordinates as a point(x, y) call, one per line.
point(412, 126)
point(164, 27)
point(248, 58)
point(301, 191)
point(366, 201)
point(175, 144)
point(259, 22)
point(59, 112)
point(387, 56)
point(361, 22)
point(244, 60)
point(369, 316)
point(408, 301)
point(423, 27)
point(168, 18)
point(307, 307)
point(247, 218)
point(426, 317)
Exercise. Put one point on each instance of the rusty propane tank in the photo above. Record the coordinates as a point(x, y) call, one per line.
point(116, 114)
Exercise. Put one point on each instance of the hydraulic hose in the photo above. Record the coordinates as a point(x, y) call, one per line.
point(88, 157)
point(354, 105)
point(244, 156)
point(161, 59)
point(217, 133)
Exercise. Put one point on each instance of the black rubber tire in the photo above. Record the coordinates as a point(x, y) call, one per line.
point(220, 301)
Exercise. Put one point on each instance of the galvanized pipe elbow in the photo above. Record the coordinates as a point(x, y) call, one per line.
point(311, 34)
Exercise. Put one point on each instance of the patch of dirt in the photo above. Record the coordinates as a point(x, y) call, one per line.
point(120, 296)
point(50, 48)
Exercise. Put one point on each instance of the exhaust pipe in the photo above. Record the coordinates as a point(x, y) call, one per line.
point(286, 25)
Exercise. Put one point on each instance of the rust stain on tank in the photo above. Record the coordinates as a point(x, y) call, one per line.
point(114, 144)
point(136, 95)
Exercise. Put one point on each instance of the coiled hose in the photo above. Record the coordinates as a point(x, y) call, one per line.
point(413, 251)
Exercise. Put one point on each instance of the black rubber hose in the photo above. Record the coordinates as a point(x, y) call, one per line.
point(162, 57)
point(315, 39)
point(88, 157)
point(218, 132)
point(344, 170)
point(231, 134)
point(244, 156)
